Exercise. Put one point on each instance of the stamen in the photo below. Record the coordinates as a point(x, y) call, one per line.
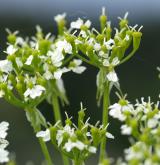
point(103, 10)
point(74, 32)
point(140, 28)
point(94, 30)
point(126, 15)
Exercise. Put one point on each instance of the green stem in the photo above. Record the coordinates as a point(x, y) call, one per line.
point(68, 60)
point(85, 60)
point(128, 57)
point(104, 120)
point(37, 129)
point(56, 108)
point(78, 162)
point(45, 151)
point(57, 116)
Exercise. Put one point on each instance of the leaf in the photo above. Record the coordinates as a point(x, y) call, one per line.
point(35, 117)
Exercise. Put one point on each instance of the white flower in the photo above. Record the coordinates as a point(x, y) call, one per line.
point(64, 45)
point(58, 74)
point(79, 22)
point(20, 41)
point(3, 143)
point(1, 93)
point(4, 156)
point(36, 91)
point(109, 44)
point(3, 78)
point(29, 60)
point(70, 145)
point(151, 123)
point(6, 66)
point(44, 134)
point(66, 129)
point(91, 41)
point(92, 149)
point(60, 17)
point(116, 111)
point(114, 62)
point(81, 146)
point(97, 46)
point(109, 135)
point(83, 34)
point(60, 85)
point(76, 66)
point(56, 57)
point(126, 130)
point(3, 129)
point(138, 153)
point(87, 23)
point(112, 76)
point(48, 75)
point(11, 50)
point(19, 62)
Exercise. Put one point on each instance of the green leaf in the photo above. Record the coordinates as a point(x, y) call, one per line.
point(35, 117)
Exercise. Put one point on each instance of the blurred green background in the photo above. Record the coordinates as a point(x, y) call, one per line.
point(138, 77)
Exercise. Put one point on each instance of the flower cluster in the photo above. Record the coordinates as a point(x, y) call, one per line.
point(77, 142)
point(141, 121)
point(3, 142)
point(102, 49)
point(34, 67)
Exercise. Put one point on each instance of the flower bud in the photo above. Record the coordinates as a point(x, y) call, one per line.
point(121, 50)
point(79, 134)
point(53, 132)
point(95, 135)
point(39, 33)
point(100, 38)
point(103, 19)
point(70, 39)
point(41, 81)
point(136, 39)
point(84, 28)
point(68, 121)
point(61, 26)
point(123, 23)
point(3, 86)
point(19, 88)
point(44, 46)
point(108, 32)
point(81, 116)
point(134, 123)
point(20, 78)
point(11, 38)
point(11, 58)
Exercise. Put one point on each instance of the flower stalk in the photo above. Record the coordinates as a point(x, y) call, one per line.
point(104, 120)
point(57, 116)
point(78, 162)
point(36, 126)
